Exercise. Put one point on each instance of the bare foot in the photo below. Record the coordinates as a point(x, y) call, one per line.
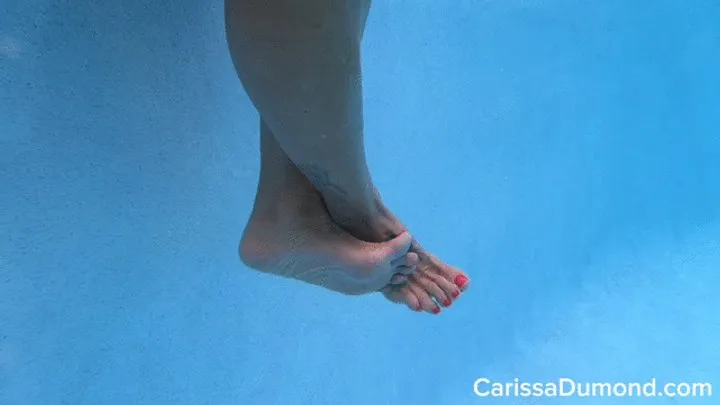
point(433, 285)
point(293, 236)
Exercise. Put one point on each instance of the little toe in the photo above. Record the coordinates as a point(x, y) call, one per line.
point(410, 299)
point(400, 294)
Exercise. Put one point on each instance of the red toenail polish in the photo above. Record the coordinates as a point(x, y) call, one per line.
point(436, 310)
point(455, 293)
point(447, 303)
point(461, 280)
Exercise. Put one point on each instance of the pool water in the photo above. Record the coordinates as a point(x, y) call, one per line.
point(565, 154)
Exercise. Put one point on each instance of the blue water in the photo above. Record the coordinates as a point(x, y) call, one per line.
point(566, 154)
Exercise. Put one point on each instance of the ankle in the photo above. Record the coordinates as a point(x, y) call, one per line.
point(371, 221)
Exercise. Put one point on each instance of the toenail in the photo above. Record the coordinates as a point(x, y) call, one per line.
point(455, 294)
point(436, 310)
point(461, 280)
point(447, 303)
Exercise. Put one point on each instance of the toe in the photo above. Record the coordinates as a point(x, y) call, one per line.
point(432, 289)
point(450, 273)
point(402, 295)
point(462, 281)
point(408, 262)
point(451, 290)
point(410, 299)
point(426, 302)
point(395, 249)
point(398, 279)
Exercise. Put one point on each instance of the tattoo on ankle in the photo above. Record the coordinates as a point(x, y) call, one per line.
point(336, 200)
point(320, 178)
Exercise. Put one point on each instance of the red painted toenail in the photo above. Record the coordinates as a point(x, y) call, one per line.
point(461, 280)
point(455, 293)
point(447, 303)
point(436, 310)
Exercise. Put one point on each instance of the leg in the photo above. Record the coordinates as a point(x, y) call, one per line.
point(290, 234)
point(300, 64)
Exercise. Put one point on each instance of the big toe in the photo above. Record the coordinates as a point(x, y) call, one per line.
point(447, 272)
point(462, 281)
point(396, 249)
